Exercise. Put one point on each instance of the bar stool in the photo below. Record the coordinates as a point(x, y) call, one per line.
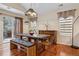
point(46, 43)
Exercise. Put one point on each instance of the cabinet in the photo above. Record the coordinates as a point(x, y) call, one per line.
point(52, 33)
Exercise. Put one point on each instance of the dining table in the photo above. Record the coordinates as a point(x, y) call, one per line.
point(38, 39)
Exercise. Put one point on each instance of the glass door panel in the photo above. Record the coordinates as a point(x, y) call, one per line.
point(8, 27)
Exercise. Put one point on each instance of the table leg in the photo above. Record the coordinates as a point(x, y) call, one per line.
point(39, 47)
point(21, 37)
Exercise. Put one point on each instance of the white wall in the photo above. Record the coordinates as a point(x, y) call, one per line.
point(25, 25)
point(76, 30)
point(50, 19)
point(1, 29)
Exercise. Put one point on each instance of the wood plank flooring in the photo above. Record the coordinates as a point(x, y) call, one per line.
point(53, 50)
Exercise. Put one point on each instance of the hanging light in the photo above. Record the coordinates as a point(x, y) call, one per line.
point(30, 13)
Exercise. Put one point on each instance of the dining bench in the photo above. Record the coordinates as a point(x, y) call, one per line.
point(28, 47)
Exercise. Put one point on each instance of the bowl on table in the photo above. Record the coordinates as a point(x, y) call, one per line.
point(31, 33)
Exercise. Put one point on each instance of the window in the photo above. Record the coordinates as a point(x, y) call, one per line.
point(65, 22)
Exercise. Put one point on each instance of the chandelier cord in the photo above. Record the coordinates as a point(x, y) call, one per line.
point(31, 5)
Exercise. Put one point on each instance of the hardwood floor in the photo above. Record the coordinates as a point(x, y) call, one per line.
point(53, 50)
point(61, 50)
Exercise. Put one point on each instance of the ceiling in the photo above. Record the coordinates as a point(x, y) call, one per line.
point(43, 8)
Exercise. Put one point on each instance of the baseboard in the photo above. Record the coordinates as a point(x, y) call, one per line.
point(76, 47)
point(63, 44)
point(4, 43)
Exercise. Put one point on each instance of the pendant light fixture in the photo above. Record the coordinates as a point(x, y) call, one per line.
point(30, 13)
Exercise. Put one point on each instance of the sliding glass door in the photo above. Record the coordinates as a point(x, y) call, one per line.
point(8, 28)
point(11, 26)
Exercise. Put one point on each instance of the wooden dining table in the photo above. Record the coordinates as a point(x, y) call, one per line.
point(39, 37)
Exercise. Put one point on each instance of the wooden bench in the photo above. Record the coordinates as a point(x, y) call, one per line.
point(28, 47)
